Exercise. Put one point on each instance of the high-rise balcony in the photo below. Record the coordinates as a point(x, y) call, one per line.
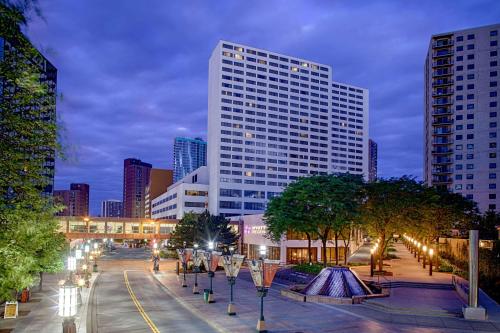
point(442, 53)
point(442, 101)
point(442, 72)
point(442, 43)
point(443, 121)
point(441, 131)
point(442, 92)
point(443, 81)
point(442, 169)
point(443, 62)
point(442, 160)
point(442, 180)
point(442, 150)
point(442, 111)
point(442, 141)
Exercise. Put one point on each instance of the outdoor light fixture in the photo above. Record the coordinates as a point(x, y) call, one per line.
point(372, 251)
point(71, 264)
point(197, 259)
point(419, 245)
point(232, 264)
point(78, 254)
point(96, 246)
point(184, 257)
point(87, 248)
point(262, 271)
point(210, 261)
point(67, 305)
point(431, 253)
point(424, 255)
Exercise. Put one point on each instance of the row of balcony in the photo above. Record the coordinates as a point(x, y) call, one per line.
point(442, 101)
point(442, 160)
point(442, 72)
point(442, 170)
point(442, 53)
point(442, 180)
point(443, 121)
point(442, 131)
point(440, 150)
point(442, 141)
point(445, 81)
point(441, 111)
point(442, 62)
point(442, 92)
point(442, 43)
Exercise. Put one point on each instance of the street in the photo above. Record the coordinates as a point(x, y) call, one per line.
point(128, 298)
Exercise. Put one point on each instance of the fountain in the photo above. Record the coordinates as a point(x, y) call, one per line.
point(335, 285)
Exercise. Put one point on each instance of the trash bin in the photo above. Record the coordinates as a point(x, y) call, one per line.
point(206, 293)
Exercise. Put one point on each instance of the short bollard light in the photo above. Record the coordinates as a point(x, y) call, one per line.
point(197, 260)
point(424, 255)
point(418, 251)
point(262, 271)
point(184, 257)
point(232, 264)
point(431, 253)
point(372, 251)
point(210, 261)
point(68, 300)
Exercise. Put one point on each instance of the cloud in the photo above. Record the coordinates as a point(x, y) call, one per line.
point(134, 75)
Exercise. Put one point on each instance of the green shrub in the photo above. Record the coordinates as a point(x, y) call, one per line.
point(309, 269)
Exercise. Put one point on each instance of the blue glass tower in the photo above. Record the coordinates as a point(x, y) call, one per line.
point(189, 155)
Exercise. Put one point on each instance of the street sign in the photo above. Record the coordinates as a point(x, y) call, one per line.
point(10, 310)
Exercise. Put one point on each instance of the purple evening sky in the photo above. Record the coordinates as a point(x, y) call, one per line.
point(133, 74)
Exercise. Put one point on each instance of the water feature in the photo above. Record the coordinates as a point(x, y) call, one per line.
point(336, 282)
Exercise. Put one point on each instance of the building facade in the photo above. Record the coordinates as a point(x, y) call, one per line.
point(461, 114)
point(136, 176)
point(111, 208)
point(372, 160)
point(189, 155)
point(190, 194)
point(75, 200)
point(292, 248)
point(273, 118)
point(10, 52)
point(159, 181)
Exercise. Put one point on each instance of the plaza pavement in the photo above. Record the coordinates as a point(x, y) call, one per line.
point(285, 315)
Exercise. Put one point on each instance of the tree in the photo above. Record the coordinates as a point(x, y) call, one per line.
point(389, 208)
point(488, 224)
point(202, 228)
point(280, 218)
point(326, 203)
point(29, 241)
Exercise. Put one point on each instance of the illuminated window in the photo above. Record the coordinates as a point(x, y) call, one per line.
point(239, 49)
point(304, 64)
point(239, 56)
point(248, 173)
point(295, 69)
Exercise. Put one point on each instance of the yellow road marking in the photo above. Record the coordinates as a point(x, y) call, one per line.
point(139, 306)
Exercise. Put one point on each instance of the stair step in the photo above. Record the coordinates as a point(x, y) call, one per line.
point(410, 311)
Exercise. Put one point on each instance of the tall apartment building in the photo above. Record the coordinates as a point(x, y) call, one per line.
point(159, 181)
point(12, 51)
point(273, 118)
point(111, 208)
point(135, 179)
point(372, 160)
point(189, 155)
point(461, 114)
point(75, 200)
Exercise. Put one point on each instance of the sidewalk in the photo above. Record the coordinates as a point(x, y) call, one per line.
point(40, 314)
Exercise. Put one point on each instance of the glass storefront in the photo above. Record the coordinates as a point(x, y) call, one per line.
point(330, 254)
point(273, 252)
point(299, 255)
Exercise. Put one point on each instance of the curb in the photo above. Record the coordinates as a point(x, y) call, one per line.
point(91, 320)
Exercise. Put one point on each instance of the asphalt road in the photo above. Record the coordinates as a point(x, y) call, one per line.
point(127, 298)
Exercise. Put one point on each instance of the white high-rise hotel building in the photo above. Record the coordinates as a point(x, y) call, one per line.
point(273, 118)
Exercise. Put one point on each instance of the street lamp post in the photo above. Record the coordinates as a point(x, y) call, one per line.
point(184, 257)
point(211, 261)
point(95, 253)
point(262, 271)
point(232, 264)
point(424, 255)
point(431, 252)
point(372, 250)
point(418, 251)
point(156, 258)
point(67, 306)
point(85, 266)
point(197, 259)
